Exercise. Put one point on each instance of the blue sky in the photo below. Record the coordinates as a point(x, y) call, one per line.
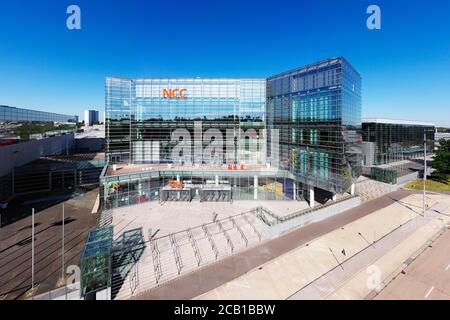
point(405, 66)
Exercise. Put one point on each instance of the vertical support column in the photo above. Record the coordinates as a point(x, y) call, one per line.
point(178, 178)
point(105, 192)
point(263, 145)
point(255, 189)
point(311, 197)
point(352, 189)
point(217, 180)
point(294, 189)
point(198, 147)
point(139, 188)
point(13, 182)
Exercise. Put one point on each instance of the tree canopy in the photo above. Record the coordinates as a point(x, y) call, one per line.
point(441, 162)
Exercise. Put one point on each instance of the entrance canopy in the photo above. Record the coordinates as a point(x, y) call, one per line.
point(96, 261)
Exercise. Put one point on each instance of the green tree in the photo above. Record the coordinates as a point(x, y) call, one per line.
point(441, 161)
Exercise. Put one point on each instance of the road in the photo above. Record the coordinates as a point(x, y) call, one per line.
point(15, 246)
point(426, 278)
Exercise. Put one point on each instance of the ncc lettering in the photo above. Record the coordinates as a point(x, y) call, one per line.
point(174, 93)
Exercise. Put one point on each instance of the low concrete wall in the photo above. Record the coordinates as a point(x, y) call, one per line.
point(308, 217)
point(19, 154)
point(406, 178)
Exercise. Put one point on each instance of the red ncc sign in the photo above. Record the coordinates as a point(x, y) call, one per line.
point(174, 93)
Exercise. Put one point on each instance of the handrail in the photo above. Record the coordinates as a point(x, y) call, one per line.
point(194, 246)
point(227, 236)
point(211, 240)
point(239, 230)
point(176, 252)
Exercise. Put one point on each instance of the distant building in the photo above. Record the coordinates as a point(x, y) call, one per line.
point(27, 135)
point(389, 140)
point(442, 135)
point(20, 125)
point(90, 117)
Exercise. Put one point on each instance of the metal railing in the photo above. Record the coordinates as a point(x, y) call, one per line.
point(156, 260)
point(253, 227)
point(233, 222)
point(227, 236)
point(176, 252)
point(211, 240)
point(194, 245)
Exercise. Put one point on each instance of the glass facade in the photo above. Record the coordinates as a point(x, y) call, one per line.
point(317, 109)
point(124, 190)
point(142, 114)
point(395, 140)
point(17, 125)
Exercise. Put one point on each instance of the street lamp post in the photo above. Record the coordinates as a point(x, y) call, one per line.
point(62, 245)
point(32, 248)
point(424, 170)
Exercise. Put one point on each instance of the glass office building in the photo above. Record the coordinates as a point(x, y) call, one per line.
point(18, 125)
point(317, 109)
point(390, 140)
point(143, 114)
point(305, 122)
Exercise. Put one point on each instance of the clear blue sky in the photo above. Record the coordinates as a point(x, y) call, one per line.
point(405, 66)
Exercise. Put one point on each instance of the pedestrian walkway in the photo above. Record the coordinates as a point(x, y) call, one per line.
point(328, 283)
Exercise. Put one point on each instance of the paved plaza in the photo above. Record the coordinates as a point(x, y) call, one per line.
point(174, 216)
point(180, 238)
